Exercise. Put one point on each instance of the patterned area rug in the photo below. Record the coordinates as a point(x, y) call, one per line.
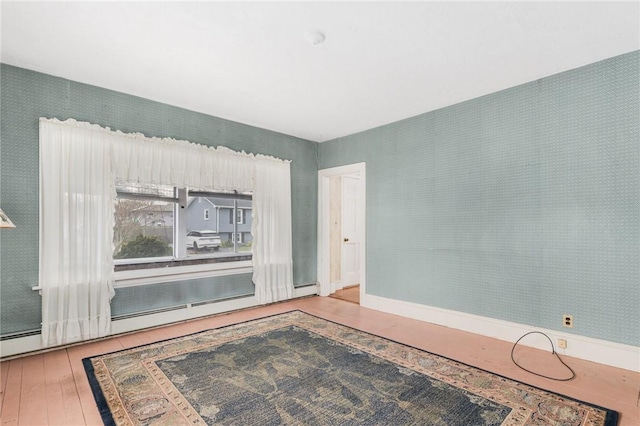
point(298, 369)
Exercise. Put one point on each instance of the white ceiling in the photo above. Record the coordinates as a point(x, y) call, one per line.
point(251, 63)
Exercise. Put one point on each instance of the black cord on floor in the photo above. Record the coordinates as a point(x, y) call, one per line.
point(553, 351)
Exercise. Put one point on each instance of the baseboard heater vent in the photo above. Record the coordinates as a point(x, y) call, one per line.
point(305, 285)
point(225, 299)
point(143, 313)
point(20, 334)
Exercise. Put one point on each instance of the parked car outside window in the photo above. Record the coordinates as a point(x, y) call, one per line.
point(201, 240)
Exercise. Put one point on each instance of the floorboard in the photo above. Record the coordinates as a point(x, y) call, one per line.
point(55, 407)
point(52, 388)
point(13, 392)
point(63, 402)
point(349, 294)
point(33, 389)
point(4, 374)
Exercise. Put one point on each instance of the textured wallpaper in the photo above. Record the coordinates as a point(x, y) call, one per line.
point(521, 205)
point(28, 95)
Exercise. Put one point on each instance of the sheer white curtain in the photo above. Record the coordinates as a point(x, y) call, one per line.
point(138, 158)
point(76, 233)
point(271, 230)
point(79, 164)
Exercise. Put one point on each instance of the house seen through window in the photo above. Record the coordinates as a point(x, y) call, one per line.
point(156, 223)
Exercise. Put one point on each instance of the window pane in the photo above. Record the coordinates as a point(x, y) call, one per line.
point(221, 236)
point(143, 221)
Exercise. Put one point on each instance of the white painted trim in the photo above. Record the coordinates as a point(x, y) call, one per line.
point(188, 313)
point(310, 290)
point(324, 284)
point(324, 175)
point(20, 345)
point(27, 344)
point(136, 277)
point(596, 350)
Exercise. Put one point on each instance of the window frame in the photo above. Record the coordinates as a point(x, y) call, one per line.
point(180, 266)
point(146, 196)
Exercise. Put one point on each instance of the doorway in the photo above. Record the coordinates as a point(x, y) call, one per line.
point(341, 231)
point(348, 294)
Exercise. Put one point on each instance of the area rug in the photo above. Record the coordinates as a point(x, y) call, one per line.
point(298, 369)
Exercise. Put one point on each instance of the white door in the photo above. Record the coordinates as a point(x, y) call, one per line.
point(350, 231)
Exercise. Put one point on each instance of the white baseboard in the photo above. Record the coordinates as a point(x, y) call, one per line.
point(600, 351)
point(21, 345)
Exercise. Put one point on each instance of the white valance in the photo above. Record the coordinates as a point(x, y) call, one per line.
point(168, 161)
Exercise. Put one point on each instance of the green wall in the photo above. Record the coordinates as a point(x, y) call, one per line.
point(521, 205)
point(27, 95)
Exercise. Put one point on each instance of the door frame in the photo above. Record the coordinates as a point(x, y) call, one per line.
point(325, 286)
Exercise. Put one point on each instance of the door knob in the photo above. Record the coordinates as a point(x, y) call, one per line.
point(346, 239)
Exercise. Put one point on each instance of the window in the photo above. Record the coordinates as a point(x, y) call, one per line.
point(239, 215)
point(86, 181)
point(156, 223)
point(143, 222)
point(223, 225)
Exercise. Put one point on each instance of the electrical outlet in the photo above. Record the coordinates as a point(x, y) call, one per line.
point(567, 320)
point(562, 343)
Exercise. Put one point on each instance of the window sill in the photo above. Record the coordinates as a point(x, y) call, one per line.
point(161, 272)
point(170, 262)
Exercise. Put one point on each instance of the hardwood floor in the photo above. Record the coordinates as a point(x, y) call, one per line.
point(348, 294)
point(51, 388)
